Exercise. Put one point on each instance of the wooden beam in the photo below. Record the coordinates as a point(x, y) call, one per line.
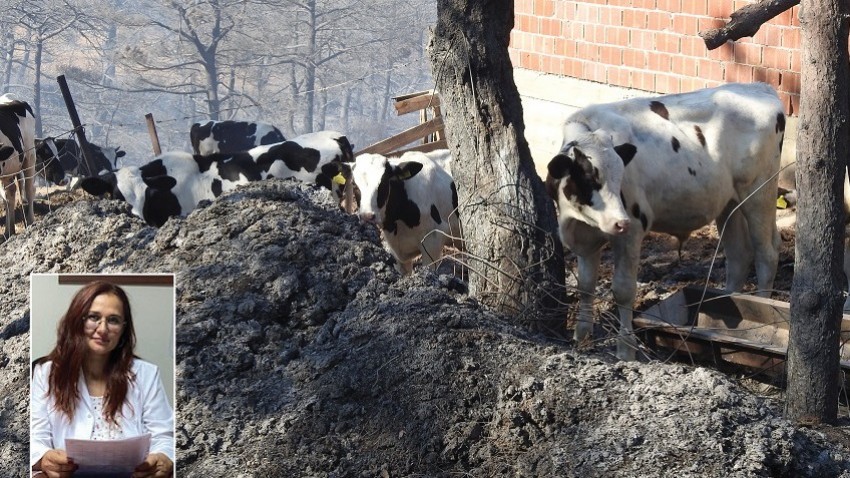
point(424, 148)
point(405, 137)
point(427, 100)
point(120, 279)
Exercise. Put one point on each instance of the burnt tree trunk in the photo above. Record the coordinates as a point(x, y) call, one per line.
point(823, 142)
point(514, 255)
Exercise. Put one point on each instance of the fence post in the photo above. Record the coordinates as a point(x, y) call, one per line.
point(157, 150)
point(78, 127)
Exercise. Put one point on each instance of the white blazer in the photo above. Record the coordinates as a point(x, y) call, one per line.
point(146, 410)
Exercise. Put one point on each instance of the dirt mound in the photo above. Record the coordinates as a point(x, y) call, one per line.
point(301, 352)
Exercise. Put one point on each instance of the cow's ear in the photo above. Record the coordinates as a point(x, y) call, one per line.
point(559, 165)
point(97, 186)
point(120, 153)
point(407, 170)
point(626, 151)
point(162, 183)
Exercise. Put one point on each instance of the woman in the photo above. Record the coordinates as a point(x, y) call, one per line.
point(91, 386)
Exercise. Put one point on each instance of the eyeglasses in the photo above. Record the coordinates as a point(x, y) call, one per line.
point(113, 322)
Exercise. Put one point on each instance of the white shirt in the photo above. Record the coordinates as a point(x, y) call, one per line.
point(145, 410)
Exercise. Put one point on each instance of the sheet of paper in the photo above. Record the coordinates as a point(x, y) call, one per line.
point(108, 457)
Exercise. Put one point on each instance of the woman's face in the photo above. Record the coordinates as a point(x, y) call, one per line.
point(104, 324)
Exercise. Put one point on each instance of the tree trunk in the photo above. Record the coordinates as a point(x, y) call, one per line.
point(9, 61)
point(36, 96)
point(823, 143)
point(514, 254)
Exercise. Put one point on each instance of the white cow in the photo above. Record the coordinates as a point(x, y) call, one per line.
point(413, 200)
point(17, 157)
point(670, 164)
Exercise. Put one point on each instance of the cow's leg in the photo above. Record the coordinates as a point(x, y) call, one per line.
point(847, 270)
point(588, 275)
point(736, 245)
point(10, 190)
point(760, 211)
point(431, 247)
point(28, 194)
point(624, 287)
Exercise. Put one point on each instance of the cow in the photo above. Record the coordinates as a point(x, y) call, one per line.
point(232, 136)
point(413, 201)
point(175, 182)
point(70, 159)
point(17, 157)
point(670, 164)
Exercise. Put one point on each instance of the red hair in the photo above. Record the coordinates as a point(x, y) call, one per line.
point(70, 352)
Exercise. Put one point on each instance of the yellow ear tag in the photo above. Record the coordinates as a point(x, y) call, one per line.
point(339, 179)
point(781, 203)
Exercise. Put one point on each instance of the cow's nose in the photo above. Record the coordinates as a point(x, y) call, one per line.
point(367, 217)
point(622, 226)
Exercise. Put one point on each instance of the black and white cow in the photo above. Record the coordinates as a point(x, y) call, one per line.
point(232, 136)
point(175, 182)
point(414, 202)
point(17, 157)
point(670, 164)
point(70, 159)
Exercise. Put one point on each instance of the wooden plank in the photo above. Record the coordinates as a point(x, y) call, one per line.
point(404, 138)
point(424, 148)
point(120, 279)
point(407, 96)
point(417, 103)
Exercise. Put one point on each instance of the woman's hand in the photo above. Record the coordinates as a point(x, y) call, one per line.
point(56, 464)
point(156, 464)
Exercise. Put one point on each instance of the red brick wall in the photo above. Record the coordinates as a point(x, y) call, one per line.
point(653, 45)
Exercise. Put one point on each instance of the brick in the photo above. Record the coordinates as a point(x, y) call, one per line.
point(779, 58)
point(587, 51)
point(711, 70)
point(724, 52)
point(544, 8)
point(618, 76)
point(649, 4)
point(667, 42)
point(683, 65)
point(767, 75)
point(790, 82)
point(550, 27)
point(667, 84)
point(736, 72)
point(794, 108)
point(685, 24)
point(596, 35)
point(796, 60)
point(587, 13)
point(575, 30)
point(695, 7)
point(720, 9)
point(791, 38)
point(669, 5)
point(635, 19)
point(783, 19)
point(659, 61)
point(634, 58)
point(769, 35)
point(594, 72)
point(611, 55)
point(691, 83)
point(611, 16)
point(564, 47)
point(643, 40)
point(693, 46)
point(795, 16)
point(747, 53)
point(617, 36)
point(643, 80)
point(658, 21)
point(706, 23)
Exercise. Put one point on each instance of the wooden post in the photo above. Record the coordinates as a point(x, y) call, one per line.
point(78, 127)
point(157, 150)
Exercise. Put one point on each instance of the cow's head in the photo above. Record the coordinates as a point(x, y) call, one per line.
point(47, 161)
point(337, 176)
point(585, 179)
point(378, 181)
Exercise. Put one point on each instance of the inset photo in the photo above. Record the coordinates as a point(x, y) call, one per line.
point(102, 377)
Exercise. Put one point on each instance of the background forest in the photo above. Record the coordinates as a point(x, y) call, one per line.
point(301, 65)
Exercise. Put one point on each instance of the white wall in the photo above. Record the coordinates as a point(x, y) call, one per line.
point(153, 319)
point(547, 100)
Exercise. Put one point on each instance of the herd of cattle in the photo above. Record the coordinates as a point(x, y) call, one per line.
point(670, 164)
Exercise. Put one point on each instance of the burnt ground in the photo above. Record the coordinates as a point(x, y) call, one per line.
point(300, 352)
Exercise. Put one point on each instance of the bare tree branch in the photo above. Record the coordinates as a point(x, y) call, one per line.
point(745, 22)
